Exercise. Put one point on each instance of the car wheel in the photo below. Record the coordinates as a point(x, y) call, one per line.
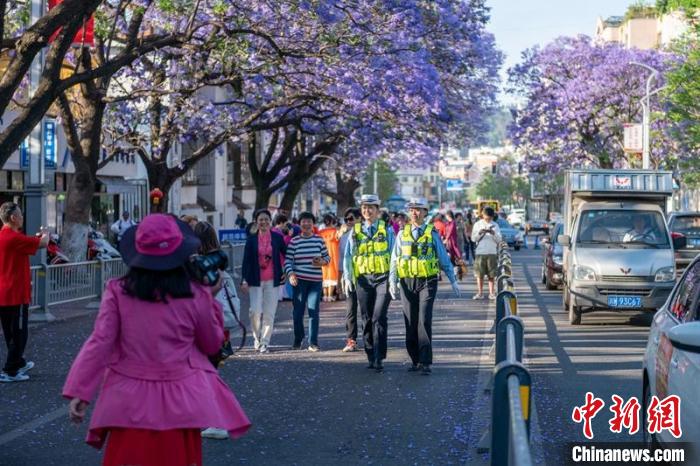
point(650, 440)
point(574, 313)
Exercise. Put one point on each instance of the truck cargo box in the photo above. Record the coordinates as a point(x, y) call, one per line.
point(621, 182)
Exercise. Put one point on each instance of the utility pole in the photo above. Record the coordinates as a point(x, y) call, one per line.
point(35, 192)
point(376, 185)
point(646, 113)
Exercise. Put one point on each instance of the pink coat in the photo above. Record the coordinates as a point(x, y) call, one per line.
point(149, 361)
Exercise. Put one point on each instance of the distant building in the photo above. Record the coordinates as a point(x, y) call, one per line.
point(641, 28)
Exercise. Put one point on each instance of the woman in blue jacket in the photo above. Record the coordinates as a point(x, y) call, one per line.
point(262, 275)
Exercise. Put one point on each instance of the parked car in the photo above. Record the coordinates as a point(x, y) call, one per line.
point(510, 234)
point(688, 225)
point(537, 226)
point(672, 358)
point(516, 217)
point(552, 259)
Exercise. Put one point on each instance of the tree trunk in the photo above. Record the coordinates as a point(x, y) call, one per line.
point(291, 192)
point(76, 224)
point(345, 192)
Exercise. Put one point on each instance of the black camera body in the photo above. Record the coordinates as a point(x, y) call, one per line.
point(208, 266)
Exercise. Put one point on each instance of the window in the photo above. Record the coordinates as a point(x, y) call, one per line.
point(685, 301)
point(624, 228)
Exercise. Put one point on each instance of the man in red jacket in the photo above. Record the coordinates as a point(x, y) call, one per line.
point(16, 289)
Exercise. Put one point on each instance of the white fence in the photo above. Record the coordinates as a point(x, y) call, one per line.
point(65, 283)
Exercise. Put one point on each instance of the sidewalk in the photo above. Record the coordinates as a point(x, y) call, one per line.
point(306, 408)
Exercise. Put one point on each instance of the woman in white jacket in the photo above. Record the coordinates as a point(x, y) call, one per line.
point(227, 296)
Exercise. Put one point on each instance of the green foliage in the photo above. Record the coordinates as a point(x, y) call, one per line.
point(641, 9)
point(505, 185)
point(387, 181)
point(683, 96)
point(689, 6)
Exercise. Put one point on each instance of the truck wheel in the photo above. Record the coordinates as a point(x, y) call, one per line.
point(574, 313)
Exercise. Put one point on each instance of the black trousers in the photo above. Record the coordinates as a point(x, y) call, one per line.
point(374, 299)
point(418, 297)
point(351, 315)
point(15, 321)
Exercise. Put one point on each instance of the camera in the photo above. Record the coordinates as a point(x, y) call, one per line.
point(208, 266)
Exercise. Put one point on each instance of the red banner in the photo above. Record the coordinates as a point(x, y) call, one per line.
point(84, 35)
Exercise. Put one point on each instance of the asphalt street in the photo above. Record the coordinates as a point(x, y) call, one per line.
point(323, 408)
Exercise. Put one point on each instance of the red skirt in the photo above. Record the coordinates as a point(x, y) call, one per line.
point(143, 447)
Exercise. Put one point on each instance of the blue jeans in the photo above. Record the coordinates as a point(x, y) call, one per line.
point(307, 294)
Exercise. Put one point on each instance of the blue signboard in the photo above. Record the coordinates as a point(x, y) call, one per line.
point(24, 154)
point(453, 185)
point(50, 144)
point(232, 236)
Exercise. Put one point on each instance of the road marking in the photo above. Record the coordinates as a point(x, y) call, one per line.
point(30, 426)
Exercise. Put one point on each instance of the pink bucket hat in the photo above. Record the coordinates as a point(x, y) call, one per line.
point(159, 242)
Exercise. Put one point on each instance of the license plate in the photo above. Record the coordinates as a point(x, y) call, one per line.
point(626, 302)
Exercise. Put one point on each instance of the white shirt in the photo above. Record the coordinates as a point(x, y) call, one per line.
point(488, 243)
point(120, 226)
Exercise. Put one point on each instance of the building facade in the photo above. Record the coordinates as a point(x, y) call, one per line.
point(642, 29)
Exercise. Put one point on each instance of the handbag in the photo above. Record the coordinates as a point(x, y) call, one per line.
point(226, 351)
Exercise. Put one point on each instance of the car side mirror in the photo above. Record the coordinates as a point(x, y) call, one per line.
point(686, 337)
point(564, 240)
point(679, 240)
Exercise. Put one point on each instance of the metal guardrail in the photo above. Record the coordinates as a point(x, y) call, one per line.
point(65, 283)
point(511, 392)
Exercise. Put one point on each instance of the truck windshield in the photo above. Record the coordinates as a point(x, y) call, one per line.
point(623, 228)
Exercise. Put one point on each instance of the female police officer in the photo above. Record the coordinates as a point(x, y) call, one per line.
point(366, 269)
point(416, 260)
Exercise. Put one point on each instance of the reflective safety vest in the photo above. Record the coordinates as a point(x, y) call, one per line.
point(418, 258)
point(372, 255)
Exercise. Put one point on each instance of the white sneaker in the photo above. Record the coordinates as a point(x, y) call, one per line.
point(20, 377)
point(213, 432)
point(478, 296)
point(263, 349)
point(256, 345)
point(492, 297)
point(27, 366)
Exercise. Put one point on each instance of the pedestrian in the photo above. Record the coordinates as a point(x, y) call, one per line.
point(230, 304)
point(487, 236)
point(262, 274)
point(282, 227)
point(417, 257)
point(148, 356)
point(16, 289)
point(438, 222)
point(366, 270)
point(351, 215)
point(451, 242)
point(121, 225)
point(460, 240)
point(190, 220)
point(241, 222)
point(468, 243)
point(306, 255)
point(329, 233)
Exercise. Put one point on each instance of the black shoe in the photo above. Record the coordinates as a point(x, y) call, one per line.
point(226, 350)
point(370, 365)
point(425, 369)
point(414, 368)
point(378, 366)
point(296, 346)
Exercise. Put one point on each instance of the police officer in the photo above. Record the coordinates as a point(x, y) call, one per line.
point(366, 270)
point(416, 260)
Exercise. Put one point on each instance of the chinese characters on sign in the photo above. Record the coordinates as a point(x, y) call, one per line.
point(661, 415)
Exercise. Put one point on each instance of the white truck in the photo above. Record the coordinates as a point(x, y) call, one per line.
point(618, 253)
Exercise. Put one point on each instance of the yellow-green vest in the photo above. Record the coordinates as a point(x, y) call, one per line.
point(372, 255)
point(418, 258)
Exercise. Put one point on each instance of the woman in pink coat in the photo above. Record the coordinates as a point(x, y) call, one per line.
point(148, 356)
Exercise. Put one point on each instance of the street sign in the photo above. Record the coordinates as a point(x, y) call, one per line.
point(233, 235)
point(454, 185)
point(24, 154)
point(50, 144)
point(633, 141)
